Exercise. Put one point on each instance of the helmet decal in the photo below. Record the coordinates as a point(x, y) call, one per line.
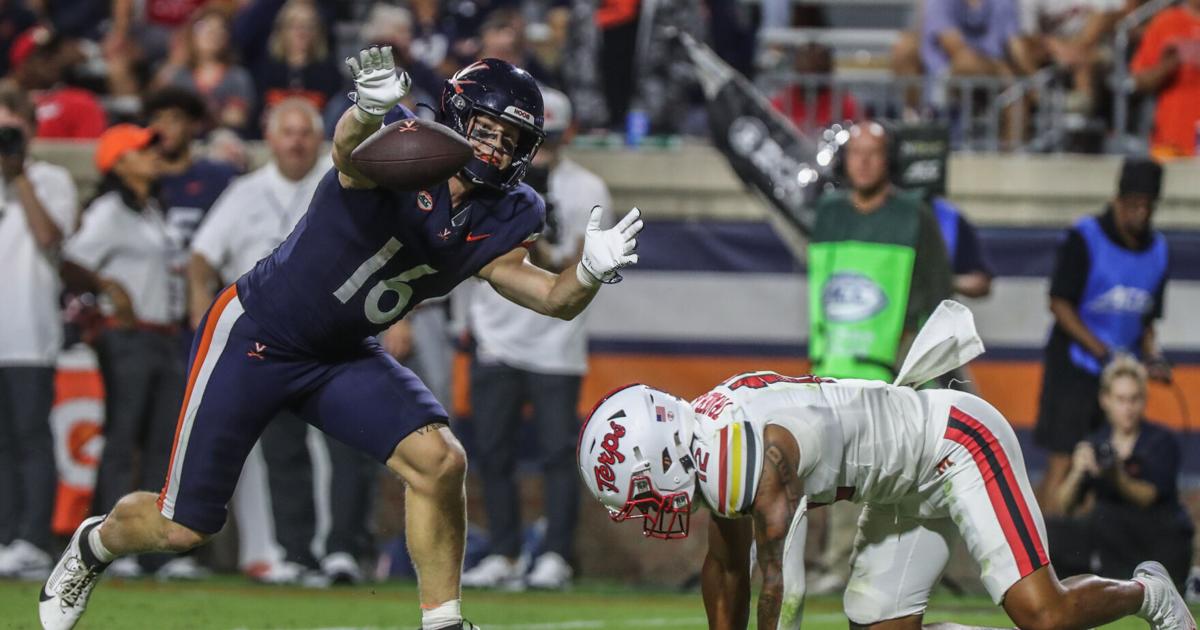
point(611, 445)
point(519, 113)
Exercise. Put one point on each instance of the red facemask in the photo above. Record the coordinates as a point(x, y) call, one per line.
point(664, 516)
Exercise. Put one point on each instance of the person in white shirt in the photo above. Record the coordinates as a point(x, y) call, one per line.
point(38, 208)
point(124, 252)
point(253, 216)
point(523, 357)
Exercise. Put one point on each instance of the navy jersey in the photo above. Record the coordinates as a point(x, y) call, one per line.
point(360, 259)
point(188, 196)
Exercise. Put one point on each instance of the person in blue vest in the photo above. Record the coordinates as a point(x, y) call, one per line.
point(1105, 294)
point(972, 272)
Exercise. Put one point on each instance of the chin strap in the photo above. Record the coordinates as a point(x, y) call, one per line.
point(791, 610)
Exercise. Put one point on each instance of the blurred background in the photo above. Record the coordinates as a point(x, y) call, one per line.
point(163, 146)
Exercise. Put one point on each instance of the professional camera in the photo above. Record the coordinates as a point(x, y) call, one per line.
point(1106, 458)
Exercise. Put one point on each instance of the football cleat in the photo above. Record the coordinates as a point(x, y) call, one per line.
point(464, 625)
point(1164, 607)
point(65, 595)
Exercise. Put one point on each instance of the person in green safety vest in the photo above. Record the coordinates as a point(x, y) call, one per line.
point(877, 265)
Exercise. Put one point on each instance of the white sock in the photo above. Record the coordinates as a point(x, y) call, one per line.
point(443, 616)
point(101, 552)
point(1149, 598)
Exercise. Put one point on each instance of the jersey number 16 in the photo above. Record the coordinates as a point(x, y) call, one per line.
point(397, 284)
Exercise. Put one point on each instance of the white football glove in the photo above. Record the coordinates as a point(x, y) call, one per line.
point(606, 251)
point(377, 85)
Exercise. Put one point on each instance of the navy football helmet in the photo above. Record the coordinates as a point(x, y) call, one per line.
point(504, 92)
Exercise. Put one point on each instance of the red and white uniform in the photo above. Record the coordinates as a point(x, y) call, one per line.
point(927, 464)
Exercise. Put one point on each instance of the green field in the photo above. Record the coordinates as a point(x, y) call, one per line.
point(232, 603)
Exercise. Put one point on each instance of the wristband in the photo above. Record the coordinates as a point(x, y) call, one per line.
point(365, 117)
point(585, 277)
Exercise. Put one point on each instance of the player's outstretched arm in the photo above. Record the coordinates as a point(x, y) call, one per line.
point(778, 503)
point(565, 295)
point(725, 577)
point(377, 89)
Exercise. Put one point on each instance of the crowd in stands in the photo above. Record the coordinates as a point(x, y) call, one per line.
point(151, 82)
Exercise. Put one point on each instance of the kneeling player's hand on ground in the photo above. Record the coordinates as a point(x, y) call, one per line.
point(606, 251)
point(378, 87)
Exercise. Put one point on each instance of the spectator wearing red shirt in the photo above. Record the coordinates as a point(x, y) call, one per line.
point(794, 102)
point(39, 58)
point(1167, 64)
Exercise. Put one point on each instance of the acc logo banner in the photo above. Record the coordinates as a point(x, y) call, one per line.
point(851, 297)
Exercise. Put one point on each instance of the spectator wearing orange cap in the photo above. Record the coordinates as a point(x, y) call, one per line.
point(39, 58)
point(124, 251)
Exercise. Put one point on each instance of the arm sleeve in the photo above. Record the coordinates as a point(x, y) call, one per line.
point(932, 281)
point(56, 190)
point(1070, 269)
point(91, 246)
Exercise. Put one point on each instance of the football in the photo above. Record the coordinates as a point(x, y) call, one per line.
point(411, 154)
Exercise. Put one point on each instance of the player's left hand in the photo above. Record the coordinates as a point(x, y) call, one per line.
point(607, 251)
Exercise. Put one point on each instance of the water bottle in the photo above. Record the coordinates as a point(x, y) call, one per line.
point(637, 125)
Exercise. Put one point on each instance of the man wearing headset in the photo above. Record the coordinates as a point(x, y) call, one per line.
point(877, 267)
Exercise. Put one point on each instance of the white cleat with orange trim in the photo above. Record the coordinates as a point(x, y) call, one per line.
point(65, 595)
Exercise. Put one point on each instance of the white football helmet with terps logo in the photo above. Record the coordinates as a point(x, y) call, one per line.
point(634, 456)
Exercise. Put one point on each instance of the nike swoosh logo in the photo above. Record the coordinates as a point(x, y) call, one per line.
point(471, 238)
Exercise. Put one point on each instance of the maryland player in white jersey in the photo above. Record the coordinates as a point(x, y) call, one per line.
point(762, 448)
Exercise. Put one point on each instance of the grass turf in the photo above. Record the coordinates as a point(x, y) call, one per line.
point(229, 603)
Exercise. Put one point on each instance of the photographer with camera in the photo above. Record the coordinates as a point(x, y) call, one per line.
point(1126, 473)
point(38, 208)
point(523, 357)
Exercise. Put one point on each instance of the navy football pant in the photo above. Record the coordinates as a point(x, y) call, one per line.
point(240, 377)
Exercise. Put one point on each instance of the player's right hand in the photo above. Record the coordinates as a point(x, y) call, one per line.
point(378, 87)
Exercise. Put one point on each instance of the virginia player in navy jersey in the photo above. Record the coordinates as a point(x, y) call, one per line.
point(297, 332)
